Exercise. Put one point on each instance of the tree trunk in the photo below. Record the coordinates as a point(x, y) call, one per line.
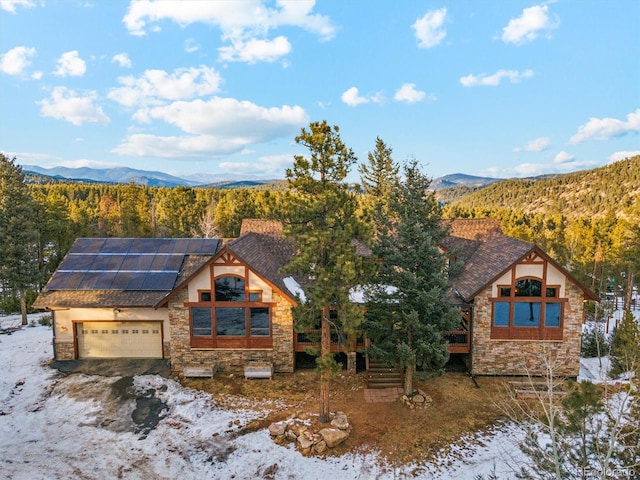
point(408, 378)
point(23, 307)
point(325, 351)
point(628, 294)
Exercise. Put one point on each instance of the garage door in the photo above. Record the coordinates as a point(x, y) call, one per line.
point(120, 339)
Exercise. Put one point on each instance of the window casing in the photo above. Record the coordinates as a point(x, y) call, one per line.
point(231, 316)
point(529, 310)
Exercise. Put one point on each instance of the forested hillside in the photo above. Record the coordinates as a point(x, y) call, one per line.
point(588, 221)
point(597, 193)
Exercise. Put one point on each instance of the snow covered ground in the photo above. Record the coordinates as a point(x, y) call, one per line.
point(55, 426)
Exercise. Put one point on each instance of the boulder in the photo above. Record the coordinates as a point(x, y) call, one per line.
point(340, 421)
point(305, 442)
point(277, 429)
point(333, 436)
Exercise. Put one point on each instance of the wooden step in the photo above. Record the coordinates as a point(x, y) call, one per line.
point(381, 375)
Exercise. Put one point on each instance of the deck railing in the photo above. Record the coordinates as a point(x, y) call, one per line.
point(339, 343)
point(459, 341)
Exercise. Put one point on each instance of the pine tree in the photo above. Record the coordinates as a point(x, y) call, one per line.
point(408, 314)
point(379, 178)
point(625, 346)
point(18, 235)
point(322, 223)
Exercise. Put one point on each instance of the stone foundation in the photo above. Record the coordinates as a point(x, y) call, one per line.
point(63, 350)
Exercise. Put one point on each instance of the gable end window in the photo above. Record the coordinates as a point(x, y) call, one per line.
point(527, 310)
point(231, 317)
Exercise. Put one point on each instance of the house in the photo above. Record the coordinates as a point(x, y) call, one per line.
point(519, 306)
point(200, 303)
point(206, 304)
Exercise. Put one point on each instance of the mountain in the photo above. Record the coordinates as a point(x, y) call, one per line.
point(461, 180)
point(123, 175)
point(610, 190)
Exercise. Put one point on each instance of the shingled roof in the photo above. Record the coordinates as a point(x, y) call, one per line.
point(492, 257)
point(266, 254)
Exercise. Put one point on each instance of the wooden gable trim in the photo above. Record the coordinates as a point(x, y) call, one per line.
point(224, 257)
point(537, 256)
point(263, 278)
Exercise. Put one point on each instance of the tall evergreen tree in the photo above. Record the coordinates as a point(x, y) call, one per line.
point(408, 314)
point(322, 223)
point(18, 235)
point(379, 177)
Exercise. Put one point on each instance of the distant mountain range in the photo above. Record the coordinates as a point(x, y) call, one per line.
point(125, 175)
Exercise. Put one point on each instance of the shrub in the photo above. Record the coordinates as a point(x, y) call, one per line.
point(45, 320)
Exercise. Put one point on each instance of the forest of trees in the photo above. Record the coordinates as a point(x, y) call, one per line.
point(588, 221)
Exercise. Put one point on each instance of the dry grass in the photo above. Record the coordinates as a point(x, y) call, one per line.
point(401, 435)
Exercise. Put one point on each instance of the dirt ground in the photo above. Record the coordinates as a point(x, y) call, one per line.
point(459, 409)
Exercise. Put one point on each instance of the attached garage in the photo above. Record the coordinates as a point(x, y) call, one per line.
point(132, 339)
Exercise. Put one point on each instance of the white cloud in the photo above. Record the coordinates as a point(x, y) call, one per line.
point(537, 145)
point(607, 128)
point(70, 63)
point(16, 60)
point(614, 157)
point(563, 157)
point(37, 75)
point(66, 104)
point(528, 26)
point(428, 28)
point(154, 87)
point(535, 169)
point(494, 80)
point(273, 165)
point(352, 97)
point(10, 5)
point(216, 127)
point(408, 93)
point(122, 59)
point(255, 50)
point(191, 45)
point(245, 25)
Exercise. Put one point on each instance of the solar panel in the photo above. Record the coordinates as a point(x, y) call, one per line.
point(127, 263)
point(159, 281)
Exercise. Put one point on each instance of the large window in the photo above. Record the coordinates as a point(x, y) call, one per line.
point(527, 309)
point(233, 317)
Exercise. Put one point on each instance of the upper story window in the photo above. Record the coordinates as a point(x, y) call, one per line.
point(230, 317)
point(527, 309)
point(230, 289)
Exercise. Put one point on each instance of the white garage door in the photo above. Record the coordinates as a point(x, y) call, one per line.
point(120, 339)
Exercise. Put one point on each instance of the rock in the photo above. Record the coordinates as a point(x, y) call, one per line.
point(340, 421)
point(320, 447)
point(291, 436)
point(304, 442)
point(277, 429)
point(418, 398)
point(333, 436)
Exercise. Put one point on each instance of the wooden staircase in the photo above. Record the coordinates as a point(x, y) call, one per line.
point(381, 375)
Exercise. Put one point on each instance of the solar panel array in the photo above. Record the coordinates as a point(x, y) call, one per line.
point(127, 263)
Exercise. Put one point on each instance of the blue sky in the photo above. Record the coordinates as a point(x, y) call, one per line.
point(490, 88)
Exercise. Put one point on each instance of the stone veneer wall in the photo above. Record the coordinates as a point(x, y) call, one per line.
point(182, 355)
point(63, 350)
point(519, 357)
